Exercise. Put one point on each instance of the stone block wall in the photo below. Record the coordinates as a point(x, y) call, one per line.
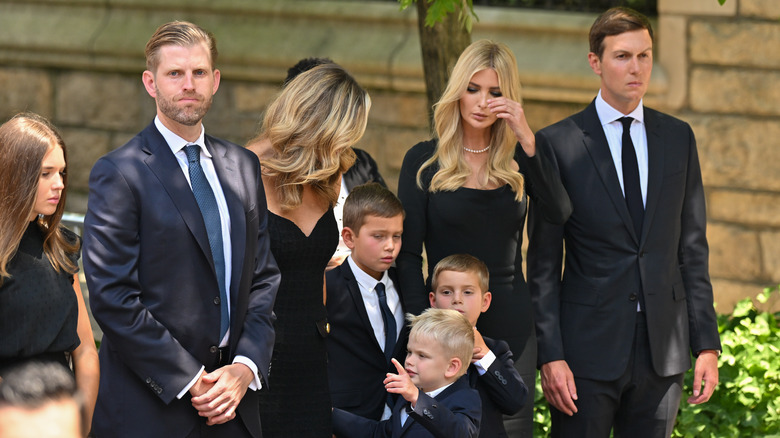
point(80, 63)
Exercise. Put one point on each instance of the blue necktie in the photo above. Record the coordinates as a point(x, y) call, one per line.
point(389, 320)
point(631, 186)
point(208, 208)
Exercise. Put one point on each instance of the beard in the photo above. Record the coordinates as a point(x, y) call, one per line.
point(189, 115)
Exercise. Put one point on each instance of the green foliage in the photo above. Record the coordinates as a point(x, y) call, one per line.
point(746, 402)
point(439, 9)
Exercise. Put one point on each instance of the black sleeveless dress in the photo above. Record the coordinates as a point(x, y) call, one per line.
point(297, 400)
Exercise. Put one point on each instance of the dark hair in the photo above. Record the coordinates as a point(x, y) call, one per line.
point(303, 65)
point(34, 384)
point(178, 33)
point(370, 199)
point(614, 22)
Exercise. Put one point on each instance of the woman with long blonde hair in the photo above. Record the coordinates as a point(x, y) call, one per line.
point(42, 312)
point(465, 192)
point(304, 148)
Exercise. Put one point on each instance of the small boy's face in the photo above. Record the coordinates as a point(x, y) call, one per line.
point(427, 364)
point(376, 245)
point(460, 291)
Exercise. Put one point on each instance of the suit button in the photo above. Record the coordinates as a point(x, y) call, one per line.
point(213, 349)
point(217, 301)
point(148, 380)
point(641, 254)
point(428, 414)
point(632, 297)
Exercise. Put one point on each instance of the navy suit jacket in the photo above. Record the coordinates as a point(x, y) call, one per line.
point(153, 287)
point(356, 364)
point(587, 316)
point(501, 389)
point(455, 413)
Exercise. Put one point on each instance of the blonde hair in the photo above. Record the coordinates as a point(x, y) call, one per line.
point(24, 142)
point(453, 169)
point(462, 263)
point(178, 33)
point(448, 328)
point(312, 125)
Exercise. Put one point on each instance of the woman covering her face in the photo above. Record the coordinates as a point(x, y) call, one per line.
point(42, 312)
point(465, 191)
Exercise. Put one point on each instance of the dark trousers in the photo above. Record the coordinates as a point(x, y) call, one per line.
point(638, 404)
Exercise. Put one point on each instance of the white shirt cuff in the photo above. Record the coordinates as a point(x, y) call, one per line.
point(485, 363)
point(256, 384)
point(192, 382)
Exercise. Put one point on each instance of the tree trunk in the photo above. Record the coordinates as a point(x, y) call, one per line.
point(441, 46)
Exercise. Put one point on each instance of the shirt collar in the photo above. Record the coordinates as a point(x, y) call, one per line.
point(436, 392)
point(365, 280)
point(177, 143)
point(608, 114)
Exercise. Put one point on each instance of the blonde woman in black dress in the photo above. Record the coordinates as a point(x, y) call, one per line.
point(42, 312)
point(304, 148)
point(465, 192)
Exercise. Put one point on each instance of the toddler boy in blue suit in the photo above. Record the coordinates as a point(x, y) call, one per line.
point(460, 282)
point(365, 310)
point(437, 399)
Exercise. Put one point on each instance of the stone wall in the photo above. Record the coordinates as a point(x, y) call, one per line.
point(80, 63)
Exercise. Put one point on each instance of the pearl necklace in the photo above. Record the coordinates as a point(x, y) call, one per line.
point(476, 151)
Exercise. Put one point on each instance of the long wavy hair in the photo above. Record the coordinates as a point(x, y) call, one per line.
point(312, 125)
point(24, 142)
point(453, 170)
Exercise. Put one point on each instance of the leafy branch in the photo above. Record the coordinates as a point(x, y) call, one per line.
point(439, 9)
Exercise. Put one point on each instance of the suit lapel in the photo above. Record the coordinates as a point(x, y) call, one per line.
point(357, 299)
point(167, 170)
point(655, 168)
point(598, 148)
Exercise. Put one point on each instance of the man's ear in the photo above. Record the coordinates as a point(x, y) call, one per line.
point(148, 79)
point(349, 237)
point(453, 368)
point(595, 63)
point(487, 298)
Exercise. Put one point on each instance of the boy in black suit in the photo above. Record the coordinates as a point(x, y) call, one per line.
point(364, 307)
point(437, 400)
point(460, 282)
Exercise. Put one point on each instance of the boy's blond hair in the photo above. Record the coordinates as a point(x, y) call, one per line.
point(448, 328)
point(462, 263)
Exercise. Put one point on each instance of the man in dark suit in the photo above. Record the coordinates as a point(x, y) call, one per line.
point(177, 259)
point(616, 330)
point(362, 340)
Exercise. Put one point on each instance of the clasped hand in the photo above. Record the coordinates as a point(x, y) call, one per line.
point(216, 395)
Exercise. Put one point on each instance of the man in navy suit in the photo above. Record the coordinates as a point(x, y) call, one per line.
point(616, 331)
point(177, 259)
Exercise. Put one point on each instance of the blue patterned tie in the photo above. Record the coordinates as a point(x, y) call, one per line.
point(389, 320)
point(208, 208)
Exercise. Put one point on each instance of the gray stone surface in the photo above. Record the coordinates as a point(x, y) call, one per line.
point(735, 253)
point(725, 43)
point(755, 209)
point(23, 89)
point(760, 8)
point(100, 101)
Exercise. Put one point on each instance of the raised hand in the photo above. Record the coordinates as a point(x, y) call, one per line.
point(514, 114)
point(402, 384)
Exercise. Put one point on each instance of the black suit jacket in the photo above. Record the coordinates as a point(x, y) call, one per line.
point(153, 288)
point(356, 364)
point(364, 170)
point(501, 389)
point(455, 413)
point(587, 316)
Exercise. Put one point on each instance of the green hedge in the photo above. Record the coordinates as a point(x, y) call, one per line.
point(746, 402)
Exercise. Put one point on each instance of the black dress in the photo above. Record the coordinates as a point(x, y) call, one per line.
point(488, 224)
point(38, 307)
point(297, 400)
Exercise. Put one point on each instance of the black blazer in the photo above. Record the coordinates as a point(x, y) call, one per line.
point(587, 316)
point(153, 288)
point(364, 170)
point(455, 413)
point(501, 389)
point(356, 364)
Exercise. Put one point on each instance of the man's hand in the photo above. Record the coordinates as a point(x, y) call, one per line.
point(705, 370)
point(228, 386)
point(480, 348)
point(558, 386)
point(200, 387)
point(402, 384)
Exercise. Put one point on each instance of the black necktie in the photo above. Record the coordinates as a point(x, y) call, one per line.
point(633, 190)
point(389, 320)
point(208, 208)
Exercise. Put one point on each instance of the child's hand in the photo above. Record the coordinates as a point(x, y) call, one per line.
point(402, 384)
point(480, 348)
